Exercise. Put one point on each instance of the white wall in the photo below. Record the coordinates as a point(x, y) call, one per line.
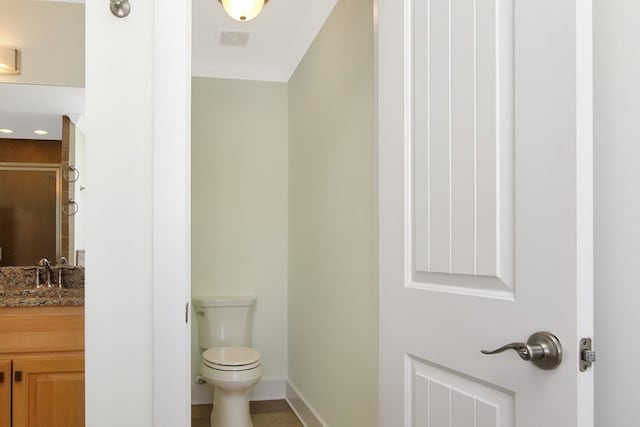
point(617, 210)
point(332, 292)
point(50, 37)
point(137, 240)
point(119, 153)
point(239, 209)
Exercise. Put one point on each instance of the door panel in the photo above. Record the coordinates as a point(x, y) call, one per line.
point(460, 93)
point(5, 393)
point(455, 400)
point(485, 210)
point(50, 393)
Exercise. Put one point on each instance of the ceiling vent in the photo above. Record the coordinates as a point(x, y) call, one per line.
point(234, 38)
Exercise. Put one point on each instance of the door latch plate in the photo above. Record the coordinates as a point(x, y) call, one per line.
point(587, 355)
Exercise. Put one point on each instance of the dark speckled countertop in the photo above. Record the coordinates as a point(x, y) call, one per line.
point(18, 288)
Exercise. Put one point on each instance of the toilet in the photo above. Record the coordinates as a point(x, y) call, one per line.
point(228, 363)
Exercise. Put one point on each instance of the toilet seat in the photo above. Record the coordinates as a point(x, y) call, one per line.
point(231, 358)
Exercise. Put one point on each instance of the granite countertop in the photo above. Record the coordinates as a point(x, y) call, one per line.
point(41, 297)
point(18, 289)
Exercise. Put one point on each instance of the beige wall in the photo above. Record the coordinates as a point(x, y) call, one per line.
point(239, 206)
point(332, 250)
point(50, 37)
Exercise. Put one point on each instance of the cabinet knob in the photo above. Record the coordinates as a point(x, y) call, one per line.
point(18, 376)
point(1, 377)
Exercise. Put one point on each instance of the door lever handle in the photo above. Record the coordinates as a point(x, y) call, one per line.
point(526, 352)
point(543, 349)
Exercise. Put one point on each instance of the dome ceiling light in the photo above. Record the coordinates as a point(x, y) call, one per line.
point(243, 10)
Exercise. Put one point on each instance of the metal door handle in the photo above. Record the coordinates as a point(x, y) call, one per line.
point(543, 349)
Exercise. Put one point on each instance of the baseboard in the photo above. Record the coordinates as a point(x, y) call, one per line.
point(268, 390)
point(201, 394)
point(264, 390)
point(303, 411)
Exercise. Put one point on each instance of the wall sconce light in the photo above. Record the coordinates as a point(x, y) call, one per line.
point(9, 61)
point(120, 8)
point(243, 10)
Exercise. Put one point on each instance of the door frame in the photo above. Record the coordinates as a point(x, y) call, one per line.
point(171, 376)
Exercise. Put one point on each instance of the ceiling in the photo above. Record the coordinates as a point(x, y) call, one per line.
point(23, 126)
point(278, 39)
point(38, 107)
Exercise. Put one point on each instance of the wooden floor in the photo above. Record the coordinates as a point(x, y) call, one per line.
point(266, 413)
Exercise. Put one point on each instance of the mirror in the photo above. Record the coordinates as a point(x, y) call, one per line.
point(42, 174)
point(40, 187)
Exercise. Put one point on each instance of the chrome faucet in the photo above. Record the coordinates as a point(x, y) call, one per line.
point(47, 269)
point(63, 264)
point(37, 269)
point(63, 261)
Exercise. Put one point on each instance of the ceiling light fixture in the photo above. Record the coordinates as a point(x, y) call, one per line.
point(40, 132)
point(9, 61)
point(6, 131)
point(243, 10)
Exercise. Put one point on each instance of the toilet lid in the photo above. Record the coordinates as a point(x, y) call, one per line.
point(231, 356)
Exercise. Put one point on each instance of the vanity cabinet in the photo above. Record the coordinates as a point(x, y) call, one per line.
point(5, 393)
point(48, 392)
point(42, 367)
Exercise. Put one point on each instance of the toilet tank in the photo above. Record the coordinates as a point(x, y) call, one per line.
point(224, 321)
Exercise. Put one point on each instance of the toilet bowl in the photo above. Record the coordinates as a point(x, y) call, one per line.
point(228, 363)
point(232, 372)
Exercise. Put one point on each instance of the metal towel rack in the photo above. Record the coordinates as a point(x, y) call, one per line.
point(67, 174)
point(74, 209)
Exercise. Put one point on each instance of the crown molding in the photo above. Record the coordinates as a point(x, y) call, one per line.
point(238, 71)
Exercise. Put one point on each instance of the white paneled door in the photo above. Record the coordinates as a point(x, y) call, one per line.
point(485, 210)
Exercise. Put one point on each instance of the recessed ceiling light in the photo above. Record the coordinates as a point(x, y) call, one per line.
point(40, 132)
point(6, 131)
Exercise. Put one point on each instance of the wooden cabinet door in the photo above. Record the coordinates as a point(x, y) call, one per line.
point(5, 393)
point(48, 392)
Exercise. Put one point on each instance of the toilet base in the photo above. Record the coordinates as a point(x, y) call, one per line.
point(231, 409)
point(231, 395)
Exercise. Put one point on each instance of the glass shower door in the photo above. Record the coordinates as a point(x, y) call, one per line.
point(29, 214)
